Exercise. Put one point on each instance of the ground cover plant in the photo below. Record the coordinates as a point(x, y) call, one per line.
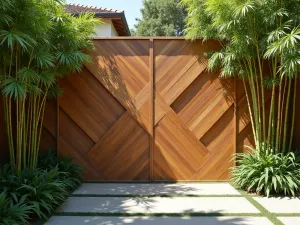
point(35, 193)
point(13, 213)
point(268, 173)
point(72, 172)
point(260, 44)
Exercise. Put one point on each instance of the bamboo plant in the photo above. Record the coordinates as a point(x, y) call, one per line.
point(260, 42)
point(39, 43)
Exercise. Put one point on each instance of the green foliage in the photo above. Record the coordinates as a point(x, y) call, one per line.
point(268, 174)
point(13, 213)
point(260, 43)
point(161, 18)
point(39, 43)
point(72, 172)
point(40, 190)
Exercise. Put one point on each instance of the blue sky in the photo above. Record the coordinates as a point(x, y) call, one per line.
point(131, 7)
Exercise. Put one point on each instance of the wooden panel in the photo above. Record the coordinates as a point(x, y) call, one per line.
point(49, 133)
point(104, 121)
point(113, 105)
point(195, 128)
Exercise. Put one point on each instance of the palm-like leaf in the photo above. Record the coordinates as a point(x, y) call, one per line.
point(28, 75)
point(44, 59)
point(13, 88)
point(14, 37)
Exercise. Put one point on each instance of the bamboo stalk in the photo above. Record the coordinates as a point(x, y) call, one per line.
point(23, 135)
point(258, 104)
point(37, 119)
point(250, 113)
point(30, 115)
point(278, 116)
point(255, 107)
point(293, 116)
point(281, 113)
point(9, 137)
point(286, 115)
point(33, 132)
point(262, 96)
point(18, 136)
point(11, 133)
point(43, 106)
point(272, 107)
point(271, 116)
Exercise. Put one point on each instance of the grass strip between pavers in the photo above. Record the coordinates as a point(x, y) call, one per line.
point(272, 217)
point(155, 214)
point(152, 196)
point(287, 214)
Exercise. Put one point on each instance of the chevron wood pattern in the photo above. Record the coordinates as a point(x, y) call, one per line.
point(149, 110)
point(104, 112)
point(194, 131)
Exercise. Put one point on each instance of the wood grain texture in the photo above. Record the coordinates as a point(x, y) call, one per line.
point(49, 132)
point(194, 132)
point(105, 112)
point(151, 107)
point(149, 110)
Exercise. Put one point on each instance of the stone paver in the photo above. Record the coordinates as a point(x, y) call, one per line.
point(280, 204)
point(157, 189)
point(290, 220)
point(158, 205)
point(75, 220)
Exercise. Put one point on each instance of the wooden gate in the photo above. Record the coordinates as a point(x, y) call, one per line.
point(149, 110)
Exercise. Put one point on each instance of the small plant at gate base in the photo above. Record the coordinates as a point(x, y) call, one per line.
point(13, 213)
point(39, 190)
point(72, 172)
point(268, 173)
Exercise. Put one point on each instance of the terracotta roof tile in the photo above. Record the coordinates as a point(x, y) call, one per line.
point(77, 9)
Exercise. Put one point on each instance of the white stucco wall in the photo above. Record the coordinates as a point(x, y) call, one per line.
point(106, 29)
point(113, 30)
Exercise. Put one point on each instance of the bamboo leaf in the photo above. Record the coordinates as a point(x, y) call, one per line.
point(13, 88)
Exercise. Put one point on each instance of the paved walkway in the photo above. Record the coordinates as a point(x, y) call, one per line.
point(172, 204)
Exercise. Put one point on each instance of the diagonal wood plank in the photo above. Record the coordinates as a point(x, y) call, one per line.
point(105, 115)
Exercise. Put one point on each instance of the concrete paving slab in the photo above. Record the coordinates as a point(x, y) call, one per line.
point(290, 220)
point(76, 220)
point(158, 205)
point(157, 189)
point(280, 204)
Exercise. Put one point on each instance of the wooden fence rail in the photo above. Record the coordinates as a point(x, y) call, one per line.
point(147, 109)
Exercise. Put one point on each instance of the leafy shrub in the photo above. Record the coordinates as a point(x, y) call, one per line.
point(13, 213)
point(268, 173)
point(42, 190)
point(71, 173)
